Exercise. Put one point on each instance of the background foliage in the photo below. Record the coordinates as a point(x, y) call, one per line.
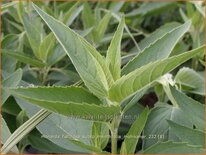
point(150, 37)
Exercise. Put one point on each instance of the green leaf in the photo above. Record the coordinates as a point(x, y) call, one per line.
point(116, 16)
point(177, 114)
point(6, 134)
point(34, 29)
point(66, 129)
point(6, 6)
point(24, 130)
point(83, 59)
point(199, 7)
point(115, 7)
point(69, 13)
point(72, 101)
point(157, 128)
point(136, 80)
point(130, 142)
point(150, 8)
point(58, 94)
point(114, 51)
point(101, 61)
point(153, 37)
point(158, 50)
point(9, 42)
point(45, 47)
point(74, 15)
point(87, 16)
point(189, 106)
point(16, 26)
point(192, 136)
point(189, 80)
point(42, 144)
point(100, 135)
point(170, 147)
point(24, 58)
point(100, 29)
point(158, 33)
point(11, 81)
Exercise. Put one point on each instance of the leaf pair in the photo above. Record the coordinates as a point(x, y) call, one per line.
point(89, 63)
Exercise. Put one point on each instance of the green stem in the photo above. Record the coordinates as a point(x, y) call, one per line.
point(114, 133)
point(43, 75)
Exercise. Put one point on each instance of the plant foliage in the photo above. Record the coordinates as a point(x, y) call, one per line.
point(103, 77)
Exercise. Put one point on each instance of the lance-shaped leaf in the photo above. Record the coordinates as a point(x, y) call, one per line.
point(12, 81)
point(85, 61)
point(100, 29)
point(136, 80)
point(170, 147)
point(130, 142)
point(45, 47)
point(152, 38)
point(159, 49)
point(70, 15)
point(114, 52)
point(33, 28)
point(68, 101)
point(193, 137)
